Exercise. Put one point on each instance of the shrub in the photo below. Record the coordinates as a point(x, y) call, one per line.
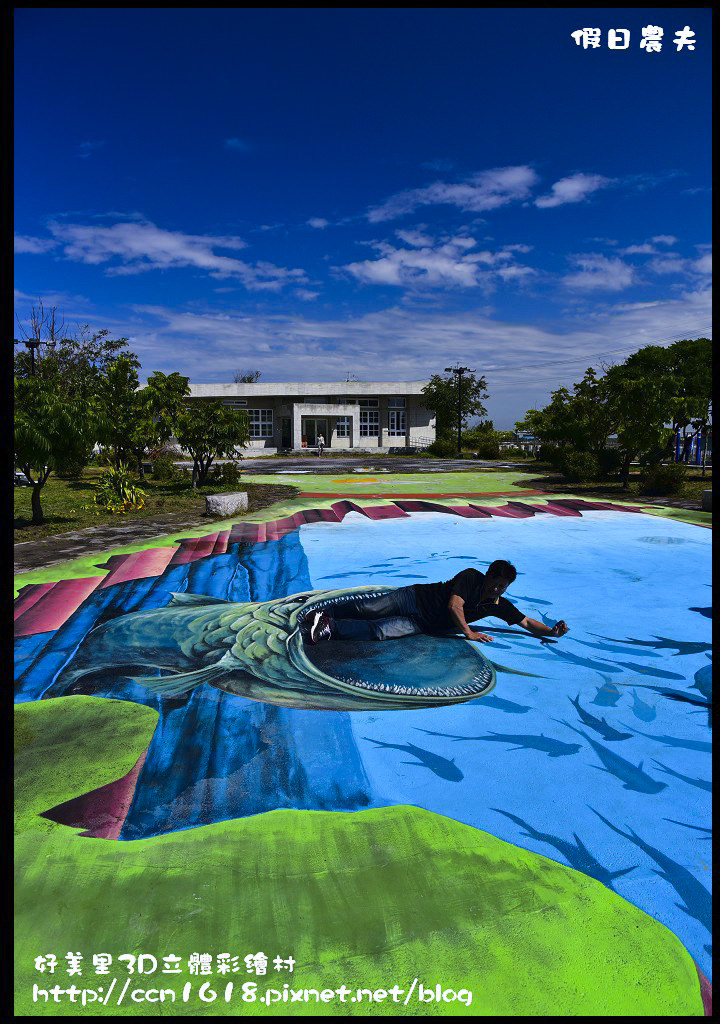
point(227, 474)
point(72, 469)
point(443, 448)
point(610, 461)
point(487, 448)
point(551, 453)
point(580, 467)
point(662, 479)
point(115, 491)
point(104, 457)
point(163, 468)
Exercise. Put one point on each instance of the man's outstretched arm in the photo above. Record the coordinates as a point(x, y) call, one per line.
point(456, 607)
point(540, 629)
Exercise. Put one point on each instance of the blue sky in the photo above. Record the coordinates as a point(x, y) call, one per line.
point(370, 191)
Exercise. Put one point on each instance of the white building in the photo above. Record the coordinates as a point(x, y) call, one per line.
point(365, 416)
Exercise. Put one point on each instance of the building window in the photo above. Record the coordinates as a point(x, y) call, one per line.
point(368, 403)
point(235, 403)
point(396, 403)
point(396, 422)
point(261, 422)
point(342, 426)
point(369, 422)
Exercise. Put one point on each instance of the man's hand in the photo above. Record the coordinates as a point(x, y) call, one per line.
point(472, 635)
point(560, 628)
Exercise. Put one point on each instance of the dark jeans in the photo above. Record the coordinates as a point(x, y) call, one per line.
point(377, 618)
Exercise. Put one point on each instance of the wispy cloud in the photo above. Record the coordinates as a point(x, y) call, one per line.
point(318, 222)
point(25, 243)
point(86, 149)
point(237, 145)
point(486, 190)
point(572, 189)
point(597, 272)
point(133, 247)
point(411, 344)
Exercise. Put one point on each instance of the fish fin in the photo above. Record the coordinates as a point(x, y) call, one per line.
point(172, 686)
point(185, 598)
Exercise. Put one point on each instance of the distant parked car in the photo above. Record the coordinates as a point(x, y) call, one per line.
point(20, 479)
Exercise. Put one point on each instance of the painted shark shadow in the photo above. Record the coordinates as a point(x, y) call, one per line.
point(259, 651)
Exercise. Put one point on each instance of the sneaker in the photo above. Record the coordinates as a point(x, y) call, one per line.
point(320, 628)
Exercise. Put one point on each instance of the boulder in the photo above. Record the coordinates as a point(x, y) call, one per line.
point(226, 504)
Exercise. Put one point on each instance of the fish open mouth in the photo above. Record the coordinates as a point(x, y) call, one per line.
point(408, 670)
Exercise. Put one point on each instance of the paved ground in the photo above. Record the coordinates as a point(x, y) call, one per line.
point(381, 463)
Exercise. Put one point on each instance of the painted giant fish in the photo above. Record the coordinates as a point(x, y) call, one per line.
point(259, 651)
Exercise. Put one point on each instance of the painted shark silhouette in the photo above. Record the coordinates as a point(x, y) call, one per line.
point(258, 650)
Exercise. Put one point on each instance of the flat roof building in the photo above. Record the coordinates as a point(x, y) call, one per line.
point(373, 416)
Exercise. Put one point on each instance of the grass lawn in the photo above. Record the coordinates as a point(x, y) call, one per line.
point(545, 478)
point(69, 504)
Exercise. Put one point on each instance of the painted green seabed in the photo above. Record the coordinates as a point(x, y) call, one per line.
point(368, 899)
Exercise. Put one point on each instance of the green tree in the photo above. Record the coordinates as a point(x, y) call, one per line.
point(208, 431)
point(51, 432)
point(639, 401)
point(116, 395)
point(441, 395)
point(157, 408)
point(579, 420)
point(74, 362)
point(691, 364)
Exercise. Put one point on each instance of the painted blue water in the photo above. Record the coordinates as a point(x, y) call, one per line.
point(553, 776)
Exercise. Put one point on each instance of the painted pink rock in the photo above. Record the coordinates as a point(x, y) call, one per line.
point(55, 606)
point(137, 565)
point(101, 812)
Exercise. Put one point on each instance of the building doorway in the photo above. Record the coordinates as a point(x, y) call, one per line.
point(285, 432)
point(311, 427)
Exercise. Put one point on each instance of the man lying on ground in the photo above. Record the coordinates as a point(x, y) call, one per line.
point(435, 608)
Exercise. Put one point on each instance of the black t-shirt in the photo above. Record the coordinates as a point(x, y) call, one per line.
point(432, 602)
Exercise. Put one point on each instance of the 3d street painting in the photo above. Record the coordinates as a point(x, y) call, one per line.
point(526, 819)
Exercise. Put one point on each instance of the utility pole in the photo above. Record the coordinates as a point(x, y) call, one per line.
point(32, 344)
point(459, 371)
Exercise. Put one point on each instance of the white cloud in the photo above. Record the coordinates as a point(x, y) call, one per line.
point(447, 263)
point(639, 250)
point(486, 190)
point(142, 246)
point(24, 243)
point(306, 294)
point(703, 265)
point(416, 238)
point(599, 272)
point(667, 265)
point(572, 189)
point(318, 222)
point(664, 239)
